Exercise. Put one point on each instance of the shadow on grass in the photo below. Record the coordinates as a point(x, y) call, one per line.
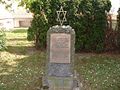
point(20, 50)
point(27, 74)
point(17, 39)
point(20, 31)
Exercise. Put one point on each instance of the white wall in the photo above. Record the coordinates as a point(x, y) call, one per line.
point(25, 22)
point(6, 23)
point(16, 18)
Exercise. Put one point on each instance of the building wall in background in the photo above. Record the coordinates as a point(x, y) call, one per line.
point(15, 18)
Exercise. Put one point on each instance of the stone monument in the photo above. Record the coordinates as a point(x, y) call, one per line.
point(59, 73)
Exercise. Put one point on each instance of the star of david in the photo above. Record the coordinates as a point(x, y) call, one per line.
point(59, 13)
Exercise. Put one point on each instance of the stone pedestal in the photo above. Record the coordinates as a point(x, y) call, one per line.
point(59, 73)
point(60, 83)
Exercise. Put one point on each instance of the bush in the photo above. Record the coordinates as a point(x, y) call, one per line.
point(90, 31)
point(2, 40)
point(87, 17)
point(37, 31)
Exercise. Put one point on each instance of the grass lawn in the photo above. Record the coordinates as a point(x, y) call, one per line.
point(98, 71)
point(21, 66)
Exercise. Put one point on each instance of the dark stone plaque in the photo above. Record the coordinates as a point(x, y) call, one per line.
point(60, 48)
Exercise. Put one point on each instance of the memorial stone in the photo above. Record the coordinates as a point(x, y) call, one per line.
point(59, 74)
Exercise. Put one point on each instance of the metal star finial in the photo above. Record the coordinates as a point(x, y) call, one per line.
point(63, 13)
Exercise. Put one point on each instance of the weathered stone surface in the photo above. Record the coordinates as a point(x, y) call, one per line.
point(58, 83)
point(60, 51)
point(61, 70)
point(60, 58)
point(60, 48)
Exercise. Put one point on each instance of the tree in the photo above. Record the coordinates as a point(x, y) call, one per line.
point(87, 17)
point(93, 22)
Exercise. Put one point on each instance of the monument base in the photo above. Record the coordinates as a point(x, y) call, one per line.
point(61, 83)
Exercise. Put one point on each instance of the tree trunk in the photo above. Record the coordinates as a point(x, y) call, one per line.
point(37, 42)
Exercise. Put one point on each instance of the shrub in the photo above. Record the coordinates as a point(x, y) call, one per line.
point(87, 17)
point(37, 31)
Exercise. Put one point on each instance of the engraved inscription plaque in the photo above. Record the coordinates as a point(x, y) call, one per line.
point(60, 48)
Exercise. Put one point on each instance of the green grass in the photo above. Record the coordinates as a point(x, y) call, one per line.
point(19, 30)
point(99, 71)
point(21, 66)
